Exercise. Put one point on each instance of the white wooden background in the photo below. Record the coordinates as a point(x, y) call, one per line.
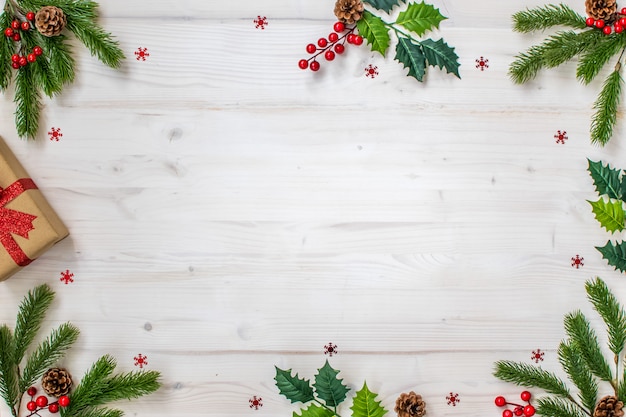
point(230, 212)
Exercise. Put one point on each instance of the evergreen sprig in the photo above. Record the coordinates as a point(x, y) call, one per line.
point(546, 17)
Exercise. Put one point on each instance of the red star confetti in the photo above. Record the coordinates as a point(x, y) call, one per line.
point(141, 54)
point(561, 137)
point(67, 277)
point(256, 402)
point(260, 22)
point(371, 71)
point(482, 63)
point(537, 356)
point(577, 262)
point(330, 349)
point(453, 399)
point(141, 360)
point(55, 134)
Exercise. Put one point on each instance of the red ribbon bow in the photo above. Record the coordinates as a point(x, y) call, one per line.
point(13, 222)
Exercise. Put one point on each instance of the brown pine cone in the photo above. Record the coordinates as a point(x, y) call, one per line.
point(56, 382)
point(605, 10)
point(609, 406)
point(349, 11)
point(410, 405)
point(50, 21)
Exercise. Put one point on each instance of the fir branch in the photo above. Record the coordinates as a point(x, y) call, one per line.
point(584, 338)
point(48, 352)
point(45, 80)
point(545, 17)
point(621, 388)
point(579, 373)
point(31, 314)
point(99, 42)
point(605, 116)
point(6, 50)
point(611, 311)
point(59, 53)
point(557, 407)
point(27, 103)
point(91, 386)
point(97, 412)
point(592, 61)
point(8, 370)
point(527, 65)
point(130, 385)
point(526, 375)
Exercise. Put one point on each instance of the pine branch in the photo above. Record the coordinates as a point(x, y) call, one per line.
point(546, 17)
point(611, 311)
point(605, 116)
point(59, 53)
point(99, 42)
point(6, 50)
point(527, 65)
point(27, 103)
point(47, 353)
point(579, 373)
point(130, 385)
point(621, 388)
point(8, 370)
point(44, 78)
point(97, 412)
point(88, 391)
point(530, 376)
point(594, 59)
point(584, 339)
point(557, 407)
point(31, 314)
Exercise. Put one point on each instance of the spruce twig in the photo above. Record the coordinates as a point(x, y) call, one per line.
point(541, 18)
point(530, 376)
point(606, 105)
point(605, 303)
point(572, 362)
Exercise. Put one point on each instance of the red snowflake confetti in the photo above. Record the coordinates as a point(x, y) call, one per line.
point(141, 360)
point(260, 22)
point(141, 54)
point(577, 262)
point(482, 63)
point(330, 349)
point(453, 399)
point(55, 134)
point(560, 137)
point(371, 71)
point(67, 277)
point(537, 355)
point(256, 402)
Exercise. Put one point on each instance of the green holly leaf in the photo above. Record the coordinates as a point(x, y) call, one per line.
point(384, 5)
point(328, 387)
point(412, 57)
point(420, 18)
point(610, 214)
point(292, 387)
point(373, 29)
point(442, 55)
point(606, 179)
point(365, 404)
point(614, 254)
point(314, 410)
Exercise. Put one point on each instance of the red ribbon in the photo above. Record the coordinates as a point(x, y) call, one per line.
point(13, 222)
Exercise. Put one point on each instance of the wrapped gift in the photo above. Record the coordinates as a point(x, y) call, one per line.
point(28, 225)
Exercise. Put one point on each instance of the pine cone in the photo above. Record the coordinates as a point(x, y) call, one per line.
point(410, 405)
point(50, 21)
point(605, 10)
point(56, 382)
point(349, 11)
point(609, 406)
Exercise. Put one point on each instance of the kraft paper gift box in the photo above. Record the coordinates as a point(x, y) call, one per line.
point(28, 225)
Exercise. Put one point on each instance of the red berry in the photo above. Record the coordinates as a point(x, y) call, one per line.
point(321, 42)
point(8, 32)
point(329, 55)
point(622, 21)
point(590, 21)
point(64, 400)
point(23, 61)
point(599, 24)
point(607, 30)
point(315, 66)
point(32, 390)
point(518, 411)
point(310, 48)
point(16, 37)
point(31, 57)
point(31, 406)
point(37, 50)
point(303, 64)
point(340, 27)
point(525, 395)
point(16, 58)
point(358, 40)
point(41, 401)
point(507, 413)
point(15, 25)
point(619, 29)
point(15, 65)
point(333, 37)
point(623, 10)
point(350, 38)
point(30, 16)
point(529, 411)
point(500, 401)
point(25, 26)
point(339, 48)
point(53, 408)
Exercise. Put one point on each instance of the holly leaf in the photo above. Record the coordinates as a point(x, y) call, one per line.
point(314, 410)
point(412, 57)
point(606, 179)
point(610, 214)
point(328, 387)
point(365, 404)
point(440, 54)
point(292, 387)
point(614, 254)
point(420, 18)
point(373, 29)
point(384, 5)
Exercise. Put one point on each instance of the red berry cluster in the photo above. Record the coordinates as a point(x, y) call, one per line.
point(618, 26)
point(35, 405)
point(334, 44)
point(12, 32)
point(519, 409)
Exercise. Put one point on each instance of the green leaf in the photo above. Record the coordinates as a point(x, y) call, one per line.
point(584, 339)
point(365, 404)
point(541, 18)
point(442, 55)
point(384, 5)
point(314, 410)
point(328, 387)
point(611, 311)
point(292, 387)
point(572, 362)
point(526, 375)
point(615, 254)
point(606, 105)
point(373, 29)
point(606, 179)
point(420, 18)
point(31, 313)
point(558, 407)
point(411, 55)
point(610, 214)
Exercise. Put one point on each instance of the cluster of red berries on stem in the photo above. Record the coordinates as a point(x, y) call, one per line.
point(35, 405)
point(519, 409)
point(331, 47)
point(17, 60)
point(618, 26)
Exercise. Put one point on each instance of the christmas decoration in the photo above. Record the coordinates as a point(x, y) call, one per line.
point(610, 183)
point(526, 410)
point(410, 405)
point(19, 370)
point(594, 40)
point(36, 53)
point(582, 360)
point(326, 394)
point(360, 20)
point(453, 399)
point(28, 225)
